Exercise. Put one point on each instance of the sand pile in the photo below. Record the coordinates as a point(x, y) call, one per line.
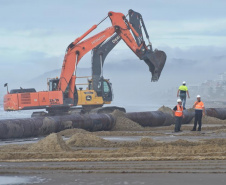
point(48, 126)
point(166, 110)
point(51, 143)
point(123, 123)
point(53, 148)
point(87, 140)
point(67, 124)
point(211, 120)
point(70, 132)
point(91, 140)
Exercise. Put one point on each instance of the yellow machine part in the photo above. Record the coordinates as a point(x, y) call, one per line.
point(89, 97)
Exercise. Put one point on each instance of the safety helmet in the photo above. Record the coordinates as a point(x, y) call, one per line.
point(179, 100)
point(198, 96)
point(184, 82)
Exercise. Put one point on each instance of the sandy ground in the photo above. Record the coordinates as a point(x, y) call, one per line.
point(204, 172)
point(123, 156)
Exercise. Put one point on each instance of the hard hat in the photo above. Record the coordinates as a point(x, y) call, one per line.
point(198, 96)
point(184, 82)
point(179, 100)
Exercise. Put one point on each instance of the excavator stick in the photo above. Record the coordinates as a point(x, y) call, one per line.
point(156, 61)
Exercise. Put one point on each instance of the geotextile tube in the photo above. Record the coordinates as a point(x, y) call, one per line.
point(38, 126)
point(31, 127)
point(188, 116)
point(219, 113)
point(151, 118)
point(158, 118)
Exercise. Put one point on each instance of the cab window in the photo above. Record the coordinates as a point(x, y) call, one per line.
point(53, 85)
point(106, 87)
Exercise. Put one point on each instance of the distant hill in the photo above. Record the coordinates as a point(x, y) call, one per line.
point(131, 79)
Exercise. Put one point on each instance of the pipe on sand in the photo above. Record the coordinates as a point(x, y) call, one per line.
point(32, 127)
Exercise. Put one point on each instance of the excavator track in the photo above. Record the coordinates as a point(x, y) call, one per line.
point(78, 110)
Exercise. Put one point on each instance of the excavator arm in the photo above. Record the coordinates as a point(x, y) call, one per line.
point(154, 59)
point(100, 52)
point(75, 52)
point(99, 55)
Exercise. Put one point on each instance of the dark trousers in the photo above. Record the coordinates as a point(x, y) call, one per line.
point(198, 119)
point(178, 123)
point(183, 99)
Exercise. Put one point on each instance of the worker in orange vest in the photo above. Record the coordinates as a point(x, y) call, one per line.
point(178, 112)
point(199, 111)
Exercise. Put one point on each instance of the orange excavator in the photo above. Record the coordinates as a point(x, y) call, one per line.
point(62, 93)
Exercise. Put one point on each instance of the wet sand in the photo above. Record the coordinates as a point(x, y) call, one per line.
point(125, 172)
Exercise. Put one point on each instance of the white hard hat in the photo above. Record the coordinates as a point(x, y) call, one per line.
point(179, 100)
point(198, 96)
point(184, 82)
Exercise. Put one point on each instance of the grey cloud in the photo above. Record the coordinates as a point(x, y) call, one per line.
point(73, 15)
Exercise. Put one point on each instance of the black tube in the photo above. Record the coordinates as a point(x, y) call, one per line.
point(150, 119)
point(158, 118)
point(31, 127)
point(219, 113)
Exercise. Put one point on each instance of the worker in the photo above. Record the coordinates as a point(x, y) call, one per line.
point(178, 113)
point(183, 92)
point(199, 111)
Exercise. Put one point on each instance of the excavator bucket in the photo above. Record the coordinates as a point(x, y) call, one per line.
point(155, 60)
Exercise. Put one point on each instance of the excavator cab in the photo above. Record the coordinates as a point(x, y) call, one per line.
point(104, 89)
point(52, 84)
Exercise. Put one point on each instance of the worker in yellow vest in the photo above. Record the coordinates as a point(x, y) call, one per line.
point(183, 93)
point(199, 112)
point(178, 113)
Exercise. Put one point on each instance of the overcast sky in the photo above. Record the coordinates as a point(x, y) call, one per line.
point(35, 33)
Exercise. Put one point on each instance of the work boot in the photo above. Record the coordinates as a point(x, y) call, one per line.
point(194, 129)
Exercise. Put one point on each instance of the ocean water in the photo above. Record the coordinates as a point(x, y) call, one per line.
point(15, 114)
point(19, 180)
point(129, 108)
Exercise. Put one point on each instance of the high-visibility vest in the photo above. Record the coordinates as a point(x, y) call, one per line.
point(179, 111)
point(199, 105)
point(183, 88)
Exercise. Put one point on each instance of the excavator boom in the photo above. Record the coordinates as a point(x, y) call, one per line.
point(76, 52)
